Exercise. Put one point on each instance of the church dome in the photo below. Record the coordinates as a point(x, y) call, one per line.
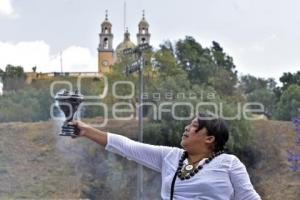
point(124, 45)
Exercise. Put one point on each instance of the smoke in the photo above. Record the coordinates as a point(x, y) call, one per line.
point(100, 174)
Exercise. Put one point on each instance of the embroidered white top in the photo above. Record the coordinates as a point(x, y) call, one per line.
point(224, 178)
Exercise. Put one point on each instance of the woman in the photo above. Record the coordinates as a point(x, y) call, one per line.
point(201, 170)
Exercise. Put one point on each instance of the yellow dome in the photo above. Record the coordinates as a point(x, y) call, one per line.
point(124, 45)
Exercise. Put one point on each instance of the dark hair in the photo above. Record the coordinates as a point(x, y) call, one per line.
point(215, 127)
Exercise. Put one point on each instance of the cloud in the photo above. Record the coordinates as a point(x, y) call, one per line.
point(6, 7)
point(265, 43)
point(37, 53)
point(78, 59)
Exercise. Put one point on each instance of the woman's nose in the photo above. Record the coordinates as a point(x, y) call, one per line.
point(186, 128)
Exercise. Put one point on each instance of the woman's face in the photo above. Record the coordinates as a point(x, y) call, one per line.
point(192, 140)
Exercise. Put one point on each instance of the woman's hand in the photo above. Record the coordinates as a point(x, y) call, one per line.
point(83, 127)
point(91, 133)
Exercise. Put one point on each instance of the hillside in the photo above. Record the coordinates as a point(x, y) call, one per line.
point(36, 163)
point(273, 178)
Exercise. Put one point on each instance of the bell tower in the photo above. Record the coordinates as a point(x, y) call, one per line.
point(143, 35)
point(105, 48)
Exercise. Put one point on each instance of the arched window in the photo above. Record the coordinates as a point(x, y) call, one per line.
point(105, 43)
point(143, 31)
point(106, 30)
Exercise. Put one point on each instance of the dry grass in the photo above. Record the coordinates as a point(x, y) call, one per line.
point(34, 161)
point(273, 178)
point(37, 163)
point(32, 164)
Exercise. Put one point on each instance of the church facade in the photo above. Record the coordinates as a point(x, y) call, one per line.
point(107, 56)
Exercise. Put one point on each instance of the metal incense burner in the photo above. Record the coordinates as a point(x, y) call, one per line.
point(68, 103)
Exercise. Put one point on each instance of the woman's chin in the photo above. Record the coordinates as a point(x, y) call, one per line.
point(182, 143)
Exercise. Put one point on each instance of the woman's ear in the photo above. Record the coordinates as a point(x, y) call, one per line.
point(210, 139)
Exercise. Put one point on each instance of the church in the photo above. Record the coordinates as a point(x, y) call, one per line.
point(107, 56)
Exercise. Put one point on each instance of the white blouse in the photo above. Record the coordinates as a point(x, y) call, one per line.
point(224, 178)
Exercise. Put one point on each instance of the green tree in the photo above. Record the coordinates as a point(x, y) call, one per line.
point(225, 75)
point(221, 59)
point(249, 83)
point(166, 64)
point(288, 79)
point(289, 103)
point(13, 78)
point(265, 97)
point(207, 66)
point(195, 60)
point(260, 90)
point(224, 82)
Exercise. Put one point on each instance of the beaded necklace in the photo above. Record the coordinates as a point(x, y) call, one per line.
point(188, 171)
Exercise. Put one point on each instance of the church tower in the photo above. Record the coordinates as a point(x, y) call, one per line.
point(143, 35)
point(105, 48)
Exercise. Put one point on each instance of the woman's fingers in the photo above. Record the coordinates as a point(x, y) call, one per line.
point(75, 123)
point(81, 127)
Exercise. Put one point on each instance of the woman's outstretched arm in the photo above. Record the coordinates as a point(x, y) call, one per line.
point(91, 133)
point(148, 155)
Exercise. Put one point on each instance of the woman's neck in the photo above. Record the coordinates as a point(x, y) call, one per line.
point(196, 157)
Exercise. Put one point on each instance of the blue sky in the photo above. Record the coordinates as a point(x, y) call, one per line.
point(262, 36)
